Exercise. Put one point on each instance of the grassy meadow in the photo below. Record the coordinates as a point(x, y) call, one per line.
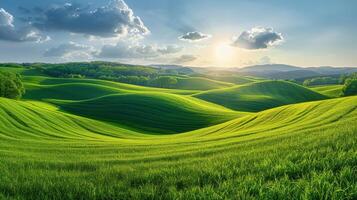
point(71, 138)
point(329, 90)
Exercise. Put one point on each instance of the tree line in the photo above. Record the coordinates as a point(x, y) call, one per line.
point(138, 75)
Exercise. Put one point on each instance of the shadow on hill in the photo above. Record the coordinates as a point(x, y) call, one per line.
point(260, 95)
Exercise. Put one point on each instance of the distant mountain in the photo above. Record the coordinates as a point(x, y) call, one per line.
point(270, 67)
point(281, 71)
point(295, 74)
point(333, 70)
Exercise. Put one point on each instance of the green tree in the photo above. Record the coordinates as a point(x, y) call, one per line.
point(11, 85)
point(350, 87)
point(165, 81)
point(321, 81)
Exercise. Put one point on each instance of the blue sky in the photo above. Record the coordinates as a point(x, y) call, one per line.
point(225, 33)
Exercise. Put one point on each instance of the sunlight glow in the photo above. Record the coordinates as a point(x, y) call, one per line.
point(224, 53)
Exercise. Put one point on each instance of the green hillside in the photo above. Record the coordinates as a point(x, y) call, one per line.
point(69, 91)
point(198, 83)
point(77, 138)
point(34, 120)
point(151, 112)
point(328, 90)
point(79, 89)
point(236, 79)
point(260, 95)
point(32, 81)
point(301, 151)
point(23, 71)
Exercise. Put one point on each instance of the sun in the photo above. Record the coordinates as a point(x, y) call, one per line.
point(224, 53)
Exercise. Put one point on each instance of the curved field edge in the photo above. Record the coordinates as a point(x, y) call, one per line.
point(151, 112)
point(308, 154)
point(200, 83)
point(260, 96)
point(37, 120)
point(47, 82)
point(328, 90)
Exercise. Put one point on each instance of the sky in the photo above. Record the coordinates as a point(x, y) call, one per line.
point(205, 33)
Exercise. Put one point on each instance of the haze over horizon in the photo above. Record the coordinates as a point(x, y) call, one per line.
point(199, 33)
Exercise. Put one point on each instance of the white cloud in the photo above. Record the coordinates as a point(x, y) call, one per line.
point(6, 19)
point(169, 49)
point(184, 59)
point(124, 50)
point(71, 51)
point(113, 20)
point(258, 38)
point(9, 32)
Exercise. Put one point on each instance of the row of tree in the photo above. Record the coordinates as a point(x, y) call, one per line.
point(131, 74)
point(323, 81)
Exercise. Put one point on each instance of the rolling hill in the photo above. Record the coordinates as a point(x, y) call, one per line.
point(38, 121)
point(302, 150)
point(328, 90)
point(234, 78)
point(151, 112)
point(41, 87)
point(200, 83)
point(69, 91)
point(260, 96)
point(282, 71)
point(95, 139)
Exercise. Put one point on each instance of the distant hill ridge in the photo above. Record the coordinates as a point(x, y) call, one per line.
point(281, 71)
point(275, 71)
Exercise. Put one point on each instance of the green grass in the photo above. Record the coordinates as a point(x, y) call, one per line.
point(146, 109)
point(95, 139)
point(237, 79)
point(300, 151)
point(69, 91)
point(151, 112)
point(260, 95)
point(328, 90)
point(65, 84)
point(199, 83)
point(23, 71)
point(36, 120)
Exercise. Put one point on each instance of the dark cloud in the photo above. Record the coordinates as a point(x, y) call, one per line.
point(124, 50)
point(71, 50)
point(111, 20)
point(185, 59)
point(194, 36)
point(9, 32)
point(258, 38)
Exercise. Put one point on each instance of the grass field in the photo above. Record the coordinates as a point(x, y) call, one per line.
point(287, 152)
point(152, 112)
point(47, 84)
point(198, 83)
point(236, 79)
point(94, 139)
point(260, 95)
point(329, 90)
